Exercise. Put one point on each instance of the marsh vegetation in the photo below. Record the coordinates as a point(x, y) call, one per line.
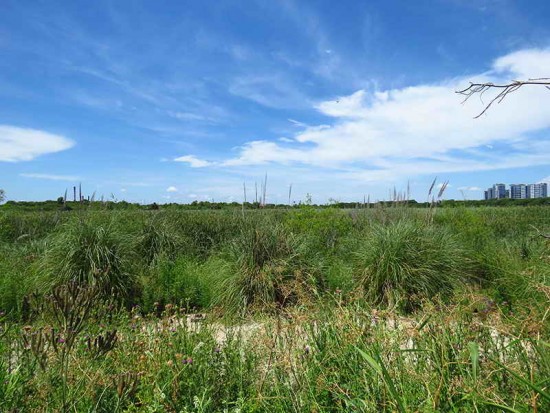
point(304, 310)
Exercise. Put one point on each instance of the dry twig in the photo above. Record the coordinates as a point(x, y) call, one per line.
point(505, 90)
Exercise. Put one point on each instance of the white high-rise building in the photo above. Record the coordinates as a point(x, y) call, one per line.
point(537, 190)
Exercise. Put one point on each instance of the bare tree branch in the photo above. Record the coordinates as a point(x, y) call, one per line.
point(505, 90)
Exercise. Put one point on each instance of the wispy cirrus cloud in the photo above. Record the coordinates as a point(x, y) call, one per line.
point(273, 91)
point(51, 177)
point(193, 161)
point(24, 144)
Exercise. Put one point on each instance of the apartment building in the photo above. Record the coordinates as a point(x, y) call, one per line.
point(517, 191)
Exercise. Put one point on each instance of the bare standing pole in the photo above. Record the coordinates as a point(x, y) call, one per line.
point(289, 193)
point(265, 187)
point(244, 190)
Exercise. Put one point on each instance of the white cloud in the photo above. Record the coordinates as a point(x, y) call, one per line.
point(193, 161)
point(422, 129)
point(22, 144)
point(297, 123)
point(171, 189)
point(51, 177)
point(469, 188)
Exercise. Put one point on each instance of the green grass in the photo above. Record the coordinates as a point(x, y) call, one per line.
point(91, 252)
point(308, 310)
point(405, 262)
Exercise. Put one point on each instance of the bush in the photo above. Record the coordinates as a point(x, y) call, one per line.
point(15, 262)
point(267, 268)
point(158, 238)
point(88, 252)
point(184, 282)
point(404, 262)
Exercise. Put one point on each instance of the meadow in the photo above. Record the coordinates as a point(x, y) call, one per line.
point(381, 309)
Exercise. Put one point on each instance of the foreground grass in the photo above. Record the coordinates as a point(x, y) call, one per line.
point(336, 358)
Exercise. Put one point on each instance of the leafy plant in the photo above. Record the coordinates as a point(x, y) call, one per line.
point(405, 262)
point(268, 269)
point(88, 253)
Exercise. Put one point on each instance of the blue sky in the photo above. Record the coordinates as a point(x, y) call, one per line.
point(174, 101)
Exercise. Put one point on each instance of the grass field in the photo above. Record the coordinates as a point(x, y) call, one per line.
point(389, 309)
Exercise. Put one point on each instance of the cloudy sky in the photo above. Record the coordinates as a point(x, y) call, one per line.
point(174, 101)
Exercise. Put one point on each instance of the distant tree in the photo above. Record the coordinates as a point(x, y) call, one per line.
point(2, 195)
point(504, 90)
point(60, 200)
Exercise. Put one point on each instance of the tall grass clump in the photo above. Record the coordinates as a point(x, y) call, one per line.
point(268, 269)
point(402, 263)
point(203, 232)
point(88, 252)
point(158, 238)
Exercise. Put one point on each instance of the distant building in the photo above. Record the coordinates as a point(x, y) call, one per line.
point(490, 193)
point(518, 191)
point(537, 190)
point(499, 191)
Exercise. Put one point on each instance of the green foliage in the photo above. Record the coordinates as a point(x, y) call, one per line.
point(319, 287)
point(325, 228)
point(22, 227)
point(157, 239)
point(15, 283)
point(185, 282)
point(405, 262)
point(268, 269)
point(88, 252)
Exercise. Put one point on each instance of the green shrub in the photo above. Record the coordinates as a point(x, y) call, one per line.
point(158, 238)
point(324, 228)
point(15, 264)
point(90, 252)
point(28, 226)
point(185, 282)
point(404, 262)
point(267, 268)
point(203, 232)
